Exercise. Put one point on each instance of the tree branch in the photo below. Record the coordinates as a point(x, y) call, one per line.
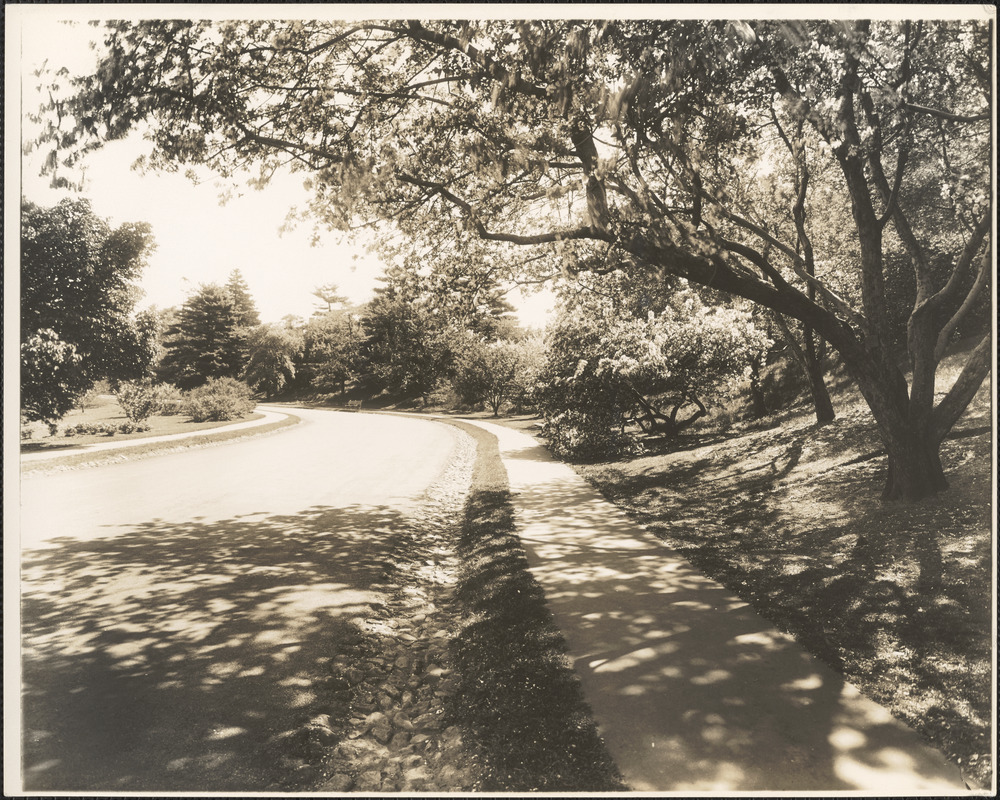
point(944, 337)
point(947, 115)
point(948, 411)
point(583, 232)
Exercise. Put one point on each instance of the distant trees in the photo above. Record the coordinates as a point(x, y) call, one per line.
point(272, 352)
point(404, 350)
point(78, 294)
point(329, 294)
point(206, 340)
point(332, 349)
point(495, 372)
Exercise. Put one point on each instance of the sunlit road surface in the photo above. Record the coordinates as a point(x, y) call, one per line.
point(177, 611)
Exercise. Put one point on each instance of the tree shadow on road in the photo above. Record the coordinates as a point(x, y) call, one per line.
point(173, 656)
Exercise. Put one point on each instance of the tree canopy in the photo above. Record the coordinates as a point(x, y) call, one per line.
point(78, 295)
point(598, 141)
point(205, 340)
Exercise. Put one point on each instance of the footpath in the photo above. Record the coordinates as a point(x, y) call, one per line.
point(690, 688)
point(47, 455)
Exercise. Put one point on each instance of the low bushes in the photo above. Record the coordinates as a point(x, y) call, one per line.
point(219, 400)
point(138, 400)
point(105, 429)
point(169, 399)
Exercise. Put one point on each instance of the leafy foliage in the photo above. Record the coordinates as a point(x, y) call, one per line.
point(404, 351)
point(332, 349)
point(169, 399)
point(271, 362)
point(206, 340)
point(78, 295)
point(494, 372)
point(52, 376)
point(607, 368)
point(105, 429)
point(639, 139)
point(219, 400)
point(138, 399)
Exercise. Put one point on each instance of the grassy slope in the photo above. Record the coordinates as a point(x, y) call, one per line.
point(107, 410)
point(897, 597)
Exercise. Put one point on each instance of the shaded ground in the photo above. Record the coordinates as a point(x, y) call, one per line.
point(182, 649)
point(896, 597)
point(179, 613)
point(517, 692)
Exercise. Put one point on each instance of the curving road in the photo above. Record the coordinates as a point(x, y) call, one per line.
point(177, 611)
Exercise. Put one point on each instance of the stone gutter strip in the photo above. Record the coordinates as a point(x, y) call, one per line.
point(395, 677)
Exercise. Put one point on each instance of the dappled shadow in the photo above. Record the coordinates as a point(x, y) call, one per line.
point(39, 447)
point(896, 596)
point(693, 691)
point(170, 656)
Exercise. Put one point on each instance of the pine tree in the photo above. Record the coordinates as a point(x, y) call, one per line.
point(205, 342)
point(238, 290)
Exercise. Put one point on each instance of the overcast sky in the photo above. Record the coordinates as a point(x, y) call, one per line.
point(199, 241)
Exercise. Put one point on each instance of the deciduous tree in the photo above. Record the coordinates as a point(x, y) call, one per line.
point(78, 294)
point(610, 137)
point(271, 361)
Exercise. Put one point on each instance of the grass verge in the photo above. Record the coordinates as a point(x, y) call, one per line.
point(516, 691)
point(96, 458)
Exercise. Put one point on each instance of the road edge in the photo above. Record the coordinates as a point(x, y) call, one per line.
point(139, 450)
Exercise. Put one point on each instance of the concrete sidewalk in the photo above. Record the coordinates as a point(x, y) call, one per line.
point(691, 689)
point(47, 455)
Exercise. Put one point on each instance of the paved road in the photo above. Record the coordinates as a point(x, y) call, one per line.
point(178, 610)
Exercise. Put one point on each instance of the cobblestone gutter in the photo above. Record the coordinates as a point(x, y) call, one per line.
point(387, 729)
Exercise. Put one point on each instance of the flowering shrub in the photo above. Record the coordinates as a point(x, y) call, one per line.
point(609, 367)
point(219, 400)
point(583, 436)
point(169, 399)
point(138, 400)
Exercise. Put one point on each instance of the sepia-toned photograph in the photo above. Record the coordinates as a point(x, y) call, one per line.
point(499, 399)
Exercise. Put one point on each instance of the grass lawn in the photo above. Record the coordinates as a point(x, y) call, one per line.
point(107, 411)
point(896, 597)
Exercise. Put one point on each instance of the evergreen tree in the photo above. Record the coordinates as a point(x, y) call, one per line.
point(238, 290)
point(205, 342)
point(329, 293)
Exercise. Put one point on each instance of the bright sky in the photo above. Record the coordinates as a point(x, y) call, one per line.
point(199, 240)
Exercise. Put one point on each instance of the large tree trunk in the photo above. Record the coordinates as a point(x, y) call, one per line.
point(758, 406)
point(915, 470)
point(820, 394)
point(912, 442)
